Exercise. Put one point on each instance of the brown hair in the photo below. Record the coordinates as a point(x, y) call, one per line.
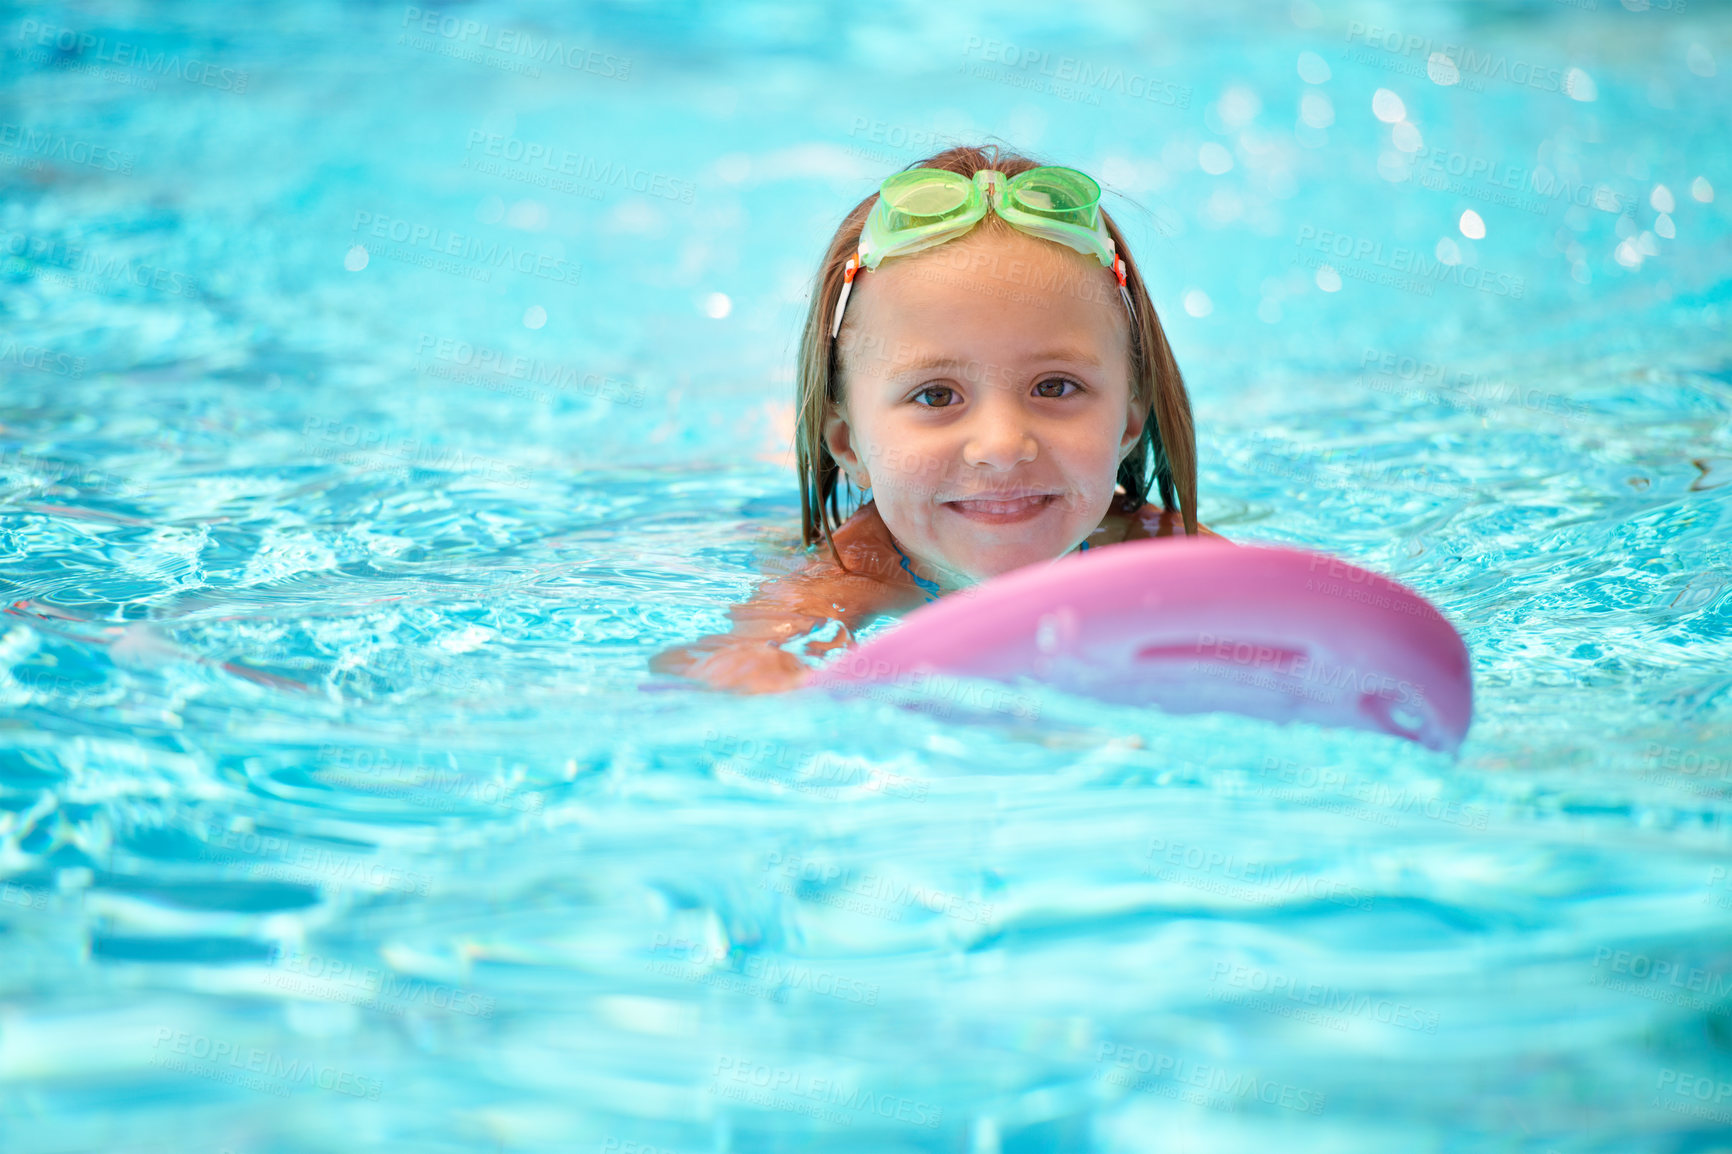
point(1167, 437)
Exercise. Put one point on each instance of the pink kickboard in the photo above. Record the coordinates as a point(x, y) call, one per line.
point(1195, 626)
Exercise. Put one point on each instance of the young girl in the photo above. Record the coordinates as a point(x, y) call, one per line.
point(981, 361)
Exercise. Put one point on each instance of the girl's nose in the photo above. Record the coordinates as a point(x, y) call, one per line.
point(999, 438)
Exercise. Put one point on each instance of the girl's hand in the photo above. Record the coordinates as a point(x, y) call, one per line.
point(815, 593)
point(749, 668)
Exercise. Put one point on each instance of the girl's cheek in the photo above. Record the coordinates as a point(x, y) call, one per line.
point(906, 467)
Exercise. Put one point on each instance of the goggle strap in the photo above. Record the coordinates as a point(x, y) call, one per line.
point(853, 266)
point(848, 271)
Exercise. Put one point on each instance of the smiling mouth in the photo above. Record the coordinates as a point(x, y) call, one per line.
point(1018, 509)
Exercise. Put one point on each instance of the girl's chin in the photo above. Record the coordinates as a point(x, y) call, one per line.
point(1007, 561)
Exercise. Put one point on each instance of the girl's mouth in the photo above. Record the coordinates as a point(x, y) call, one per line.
point(1002, 512)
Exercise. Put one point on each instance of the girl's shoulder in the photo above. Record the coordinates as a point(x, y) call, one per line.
point(871, 575)
point(867, 548)
point(1153, 521)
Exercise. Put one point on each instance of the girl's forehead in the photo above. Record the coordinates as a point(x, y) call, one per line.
point(1010, 297)
point(996, 252)
point(1000, 266)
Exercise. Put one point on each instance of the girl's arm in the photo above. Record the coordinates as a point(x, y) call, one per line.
point(748, 658)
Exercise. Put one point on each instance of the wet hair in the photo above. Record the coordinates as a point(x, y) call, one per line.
point(1165, 456)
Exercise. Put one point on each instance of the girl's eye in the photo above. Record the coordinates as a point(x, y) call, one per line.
point(944, 389)
point(1059, 381)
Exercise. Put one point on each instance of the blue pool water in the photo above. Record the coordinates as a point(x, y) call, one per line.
point(382, 390)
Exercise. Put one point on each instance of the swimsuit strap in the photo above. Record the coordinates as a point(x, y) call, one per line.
point(931, 587)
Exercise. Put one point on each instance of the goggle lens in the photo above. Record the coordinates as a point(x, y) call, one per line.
point(917, 198)
point(1057, 193)
point(923, 207)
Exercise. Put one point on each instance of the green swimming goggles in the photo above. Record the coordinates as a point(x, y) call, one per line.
point(924, 207)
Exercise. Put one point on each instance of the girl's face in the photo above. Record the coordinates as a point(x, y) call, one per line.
point(987, 401)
